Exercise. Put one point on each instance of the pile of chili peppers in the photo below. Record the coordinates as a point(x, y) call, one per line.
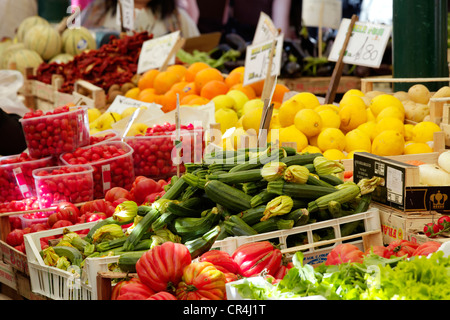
point(113, 63)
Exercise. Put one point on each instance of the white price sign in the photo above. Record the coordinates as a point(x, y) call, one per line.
point(128, 14)
point(322, 13)
point(265, 29)
point(366, 45)
point(155, 51)
point(257, 60)
point(121, 103)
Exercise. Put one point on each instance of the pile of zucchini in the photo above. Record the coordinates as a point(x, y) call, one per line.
point(236, 193)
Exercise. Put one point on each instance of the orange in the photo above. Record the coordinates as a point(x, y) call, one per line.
point(193, 69)
point(198, 101)
point(280, 90)
point(206, 75)
point(189, 88)
point(178, 69)
point(276, 104)
point(146, 92)
point(235, 76)
point(169, 101)
point(213, 88)
point(245, 89)
point(164, 81)
point(147, 79)
point(188, 98)
point(150, 97)
point(178, 87)
point(258, 87)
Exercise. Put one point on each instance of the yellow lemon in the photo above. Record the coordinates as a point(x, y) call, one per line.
point(419, 93)
point(252, 104)
point(330, 118)
point(390, 123)
point(353, 92)
point(417, 147)
point(227, 118)
point(373, 94)
point(388, 143)
point(239, 123)
point(235, 138)
point(334, 154)
point(223, 101)
point(292, 134)
point(369, 129)
point(133, 93)
point(313, 140)
point(424, 131)
point(275, 122)
point(308, 99)
point(327, 107)
point(357, 139)
point(382, 101)
point(370, 116)
point(409, 131)
point(288, 110)
point(352, 113)
point(252, 119)
point(240, 98)
point(352, 153)
point(311, 149)
point(331, 138)
point(308, 121)
point(391, 112)
point(93, 113)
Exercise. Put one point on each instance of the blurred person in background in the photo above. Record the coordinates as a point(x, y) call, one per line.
point(158, 17)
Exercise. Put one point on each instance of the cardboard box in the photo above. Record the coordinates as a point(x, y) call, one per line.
point(396, 225)
point(401, 189)
point(420, 238)
point(7, 276)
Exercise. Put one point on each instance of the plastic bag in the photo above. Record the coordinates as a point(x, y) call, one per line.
point(10, 83)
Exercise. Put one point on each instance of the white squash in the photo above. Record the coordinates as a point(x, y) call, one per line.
point(433, 175)
point(444, 161)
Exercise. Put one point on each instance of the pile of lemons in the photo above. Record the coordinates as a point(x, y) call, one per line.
point(373, 122)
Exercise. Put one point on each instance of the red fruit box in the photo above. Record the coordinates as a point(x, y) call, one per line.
point(112, 163)
point(56, 133)
point(16, 178)
point(155, 156)
point(102, 136)
point(74, 184)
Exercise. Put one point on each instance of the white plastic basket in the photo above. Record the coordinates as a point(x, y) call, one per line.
point(59, 284)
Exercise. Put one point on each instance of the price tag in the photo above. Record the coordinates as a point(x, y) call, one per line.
point(121, 103)
point(322, 13)
point(128, 14)
point(265, 29)
point(257, 60)
point(21, 182)
point(155, 51)
point(366, 46)
point(106, 177)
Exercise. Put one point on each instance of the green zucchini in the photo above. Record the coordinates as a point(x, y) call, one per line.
point(296, 190)
point(190, 228)
point(313, 181)
point(331, 179)
point(143, 210)
point(343, 195)
point(227, 196)
point(237, 177)
point(175, 190)
point(262, 198)
point(203, 243)
point(300, 217)
point(127, 260)
point(238, 227)
point(71, 253)
point(140, 229)
point(273, 224)
point(300, 159)
point(289, 151)
point(254, 187)
point(111, 244)
point(182, 211)
point(253, 215)
point(101, 223)
point(163, 220)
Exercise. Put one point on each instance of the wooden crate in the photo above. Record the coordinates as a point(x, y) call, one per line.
point(319, 85)
point(367, 84)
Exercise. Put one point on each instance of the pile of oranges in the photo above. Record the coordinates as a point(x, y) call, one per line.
point(196, 84)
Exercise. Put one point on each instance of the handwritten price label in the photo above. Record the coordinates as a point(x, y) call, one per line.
point(128, 14)
point(366, 45)
point(155, 51)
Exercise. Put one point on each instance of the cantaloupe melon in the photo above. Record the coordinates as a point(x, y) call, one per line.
point(27, 24)
point(62, 58)
point(8, 52)
point(24, 58)
point(45, 40)
point(77, 40)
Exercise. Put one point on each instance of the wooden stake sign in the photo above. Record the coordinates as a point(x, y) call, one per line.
point(337, 72)
point(178, 45)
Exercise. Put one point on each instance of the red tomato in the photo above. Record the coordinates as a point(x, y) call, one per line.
point(163, 274)
point(153, 197)
point(162, 295)
point(379, 250)
point(400, 248)
point(70, 209)
point(132, 296)
point(98, 205)
point(15, 237)
point(444, 222)
point(117, 193)
point(38, 227)
point(62, 223)
point(220, 259)
point(253, 258)
point(427, 248)
point(94, 216)
point(119, 201)
point(344, 252)
point(143, 187)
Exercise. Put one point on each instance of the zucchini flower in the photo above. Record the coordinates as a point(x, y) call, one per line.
point(324, 166)
point(369, 185)
point(277, 207)
point(89, 249)
point(69, 235)
point(49, 256)
point(62, 263)
point(297, 174)
point(162, 204)
point(135, 222)
point(107, 232)
point(125, 211)
point(168, 235)
point(65, 243)
point(273, 171)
